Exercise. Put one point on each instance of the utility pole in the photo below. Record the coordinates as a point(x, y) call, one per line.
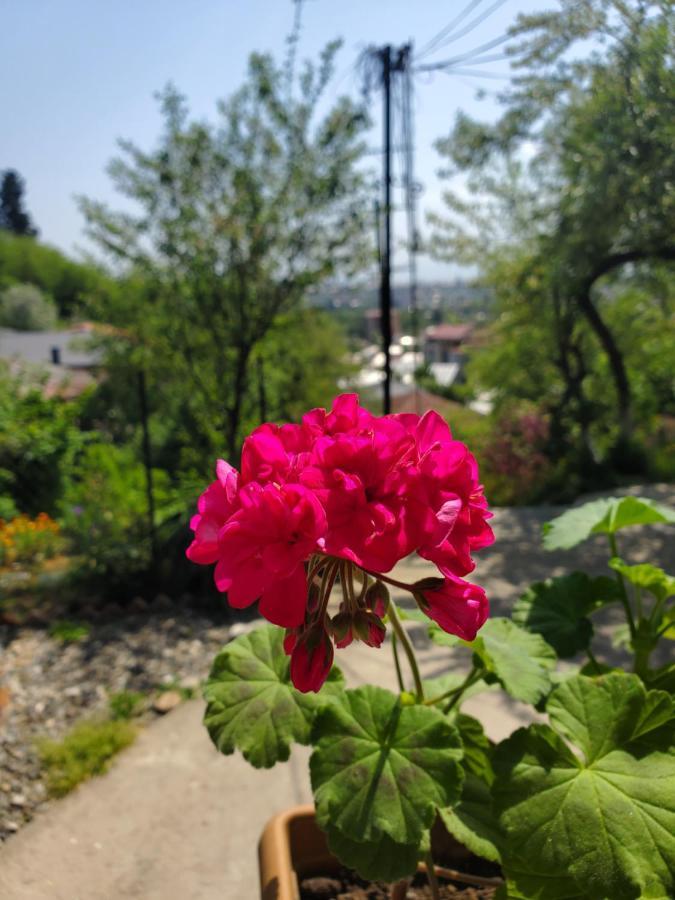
point(385, 270)
point(392, 61)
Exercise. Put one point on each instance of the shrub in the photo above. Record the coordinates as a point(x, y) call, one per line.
point(26, 540)
point(39, 438)
point(105, 510)
point(25, 308)
point(85, 751)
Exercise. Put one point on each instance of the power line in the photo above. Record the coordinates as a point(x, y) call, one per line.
point(431, 45)
point(468, 56)
point(471, 25)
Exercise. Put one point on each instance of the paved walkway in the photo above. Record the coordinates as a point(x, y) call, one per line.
point(173, 820)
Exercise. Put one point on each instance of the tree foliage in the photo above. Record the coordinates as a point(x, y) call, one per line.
point(76, 288)
point(234, 221)
point(26, 308)
point(579, 238)
point(13, 217)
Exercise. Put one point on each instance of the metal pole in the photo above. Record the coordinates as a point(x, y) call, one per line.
point(385, 279)
point(147, 462)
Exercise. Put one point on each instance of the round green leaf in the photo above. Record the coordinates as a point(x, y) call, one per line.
point(649, 578)
point(606, 817)
point(381, 768)
point(605, 516)
point(557, 609)
point(252, 705)
point(521, 661)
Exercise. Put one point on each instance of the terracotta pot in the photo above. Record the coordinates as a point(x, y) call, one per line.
point(293, 847)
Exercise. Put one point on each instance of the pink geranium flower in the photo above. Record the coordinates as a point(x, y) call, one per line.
point(449, 475)
point(344, 489)
point(215, 506)
point(262, 547)
point(458, 606)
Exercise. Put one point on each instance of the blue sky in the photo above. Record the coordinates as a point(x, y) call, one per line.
point(77, 75)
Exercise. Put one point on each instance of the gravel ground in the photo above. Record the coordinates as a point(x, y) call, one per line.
point(46, 686)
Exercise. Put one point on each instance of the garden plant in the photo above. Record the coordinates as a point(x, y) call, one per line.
point(579, 806)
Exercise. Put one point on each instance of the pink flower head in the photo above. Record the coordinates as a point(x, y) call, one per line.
point(274, 453)
point(262, 547)
point(375, 517)
point(346, 417)
point(215, 506)
point(458, 606)
point(311, 658)
point(449, 476)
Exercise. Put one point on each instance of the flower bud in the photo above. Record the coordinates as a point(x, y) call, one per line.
point(377, 599)
point(311, 659)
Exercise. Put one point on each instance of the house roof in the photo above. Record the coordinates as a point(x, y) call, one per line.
point(448, 332)
point(35, 347)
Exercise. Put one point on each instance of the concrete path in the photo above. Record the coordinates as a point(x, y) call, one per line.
point(174, 820)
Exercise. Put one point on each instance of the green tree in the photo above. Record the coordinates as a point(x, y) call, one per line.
point(234, 222)
point(26, 308)
point(12, 214)
point(77, 288)
point(595, 207)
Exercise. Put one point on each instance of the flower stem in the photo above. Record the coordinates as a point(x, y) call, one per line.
point(392, 581)
point(593, 660)
point(399, 630)
point(622, 587)
point(470, 679)
point(431, 875)
point(397, 662)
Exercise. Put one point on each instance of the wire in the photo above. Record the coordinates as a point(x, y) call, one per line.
point(468, 56)
point(431, 45)
point(472, 25)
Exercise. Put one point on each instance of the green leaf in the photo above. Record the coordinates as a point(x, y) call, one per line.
point(472, 821)
point(521, 661)
point(605, 818)
point(557, 609)
point(442, 638)
point(649, 578)
point(252, 705)
point(434, 687)
point(668, 616)
point(606, 516)
point(382, 859)
point(380, 768)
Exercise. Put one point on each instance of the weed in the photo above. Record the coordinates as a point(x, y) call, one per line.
point(124, 704)
point(69, 632)
point(83, 752)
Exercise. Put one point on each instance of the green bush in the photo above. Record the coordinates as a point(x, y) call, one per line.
point(39, 439)
point(25, 308)
point(85, 751)
point(105, 510)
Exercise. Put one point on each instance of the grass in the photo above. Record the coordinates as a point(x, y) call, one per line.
point(69, 632)
point(84, 752)
point(124, 705)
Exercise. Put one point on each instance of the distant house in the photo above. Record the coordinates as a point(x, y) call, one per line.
point(443, 343)
point(69, 364)
point(374, 329)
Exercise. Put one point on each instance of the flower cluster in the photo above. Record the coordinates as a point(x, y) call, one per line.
point(341, 498)
point(25, 540)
